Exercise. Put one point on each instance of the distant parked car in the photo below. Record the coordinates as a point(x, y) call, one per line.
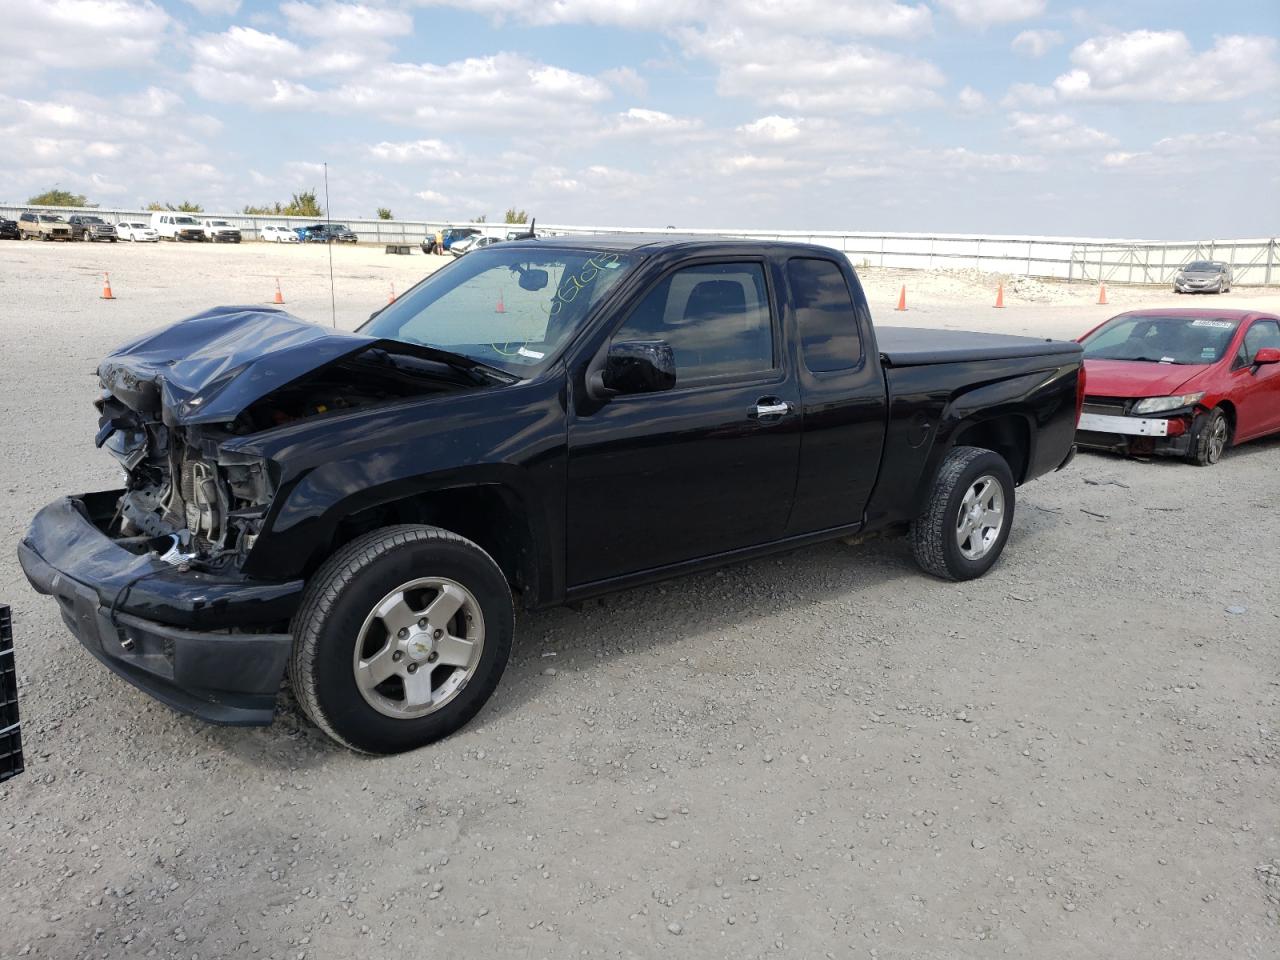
point(88, 226)
point(43, 226)
point(326, 233)
point(1203, 276)
point(220, 231)
point(443, 240)
point(177, 226)
point(461, 247)
point(274, 233)
point(9, 230)
point(136, 231)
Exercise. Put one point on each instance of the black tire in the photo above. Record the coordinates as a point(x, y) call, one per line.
point(934, 533)
point(1210, 438)
point(344, 592)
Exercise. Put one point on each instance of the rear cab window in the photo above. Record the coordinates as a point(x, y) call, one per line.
point(825, 315)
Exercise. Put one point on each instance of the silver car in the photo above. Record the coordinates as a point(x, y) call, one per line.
point(1203, 276)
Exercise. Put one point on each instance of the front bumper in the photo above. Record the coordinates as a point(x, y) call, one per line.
point(195, 641)
point(1140, 436)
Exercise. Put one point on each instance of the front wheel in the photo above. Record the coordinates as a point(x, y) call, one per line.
point(1210, 437)
point(401, 638)
point(967, 517)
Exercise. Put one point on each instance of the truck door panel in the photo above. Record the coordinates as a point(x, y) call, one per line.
point(842, 394)
point(707, 467)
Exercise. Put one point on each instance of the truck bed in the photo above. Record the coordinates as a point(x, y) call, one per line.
point(918, 347)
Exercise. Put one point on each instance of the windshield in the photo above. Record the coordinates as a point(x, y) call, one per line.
point(1180, 340)
point(219, 223)
point(183, 220)
point(511, 308)
point(1202, 266)
point(51, 218)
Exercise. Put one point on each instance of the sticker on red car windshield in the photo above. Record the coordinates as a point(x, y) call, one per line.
point(1217, 324)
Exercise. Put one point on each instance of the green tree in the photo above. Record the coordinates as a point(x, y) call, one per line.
point(186, 206)
point(517, 216)
point(303, 204)
point(384, 213)
point(59, 198)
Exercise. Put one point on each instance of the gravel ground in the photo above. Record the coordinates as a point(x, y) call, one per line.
point(821, 754)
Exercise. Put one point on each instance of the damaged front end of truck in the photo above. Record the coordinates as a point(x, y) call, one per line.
point(151, 577)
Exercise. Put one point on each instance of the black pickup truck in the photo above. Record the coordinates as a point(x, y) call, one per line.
point(549, 420)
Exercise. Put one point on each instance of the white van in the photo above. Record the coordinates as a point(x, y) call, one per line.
point(172, 225)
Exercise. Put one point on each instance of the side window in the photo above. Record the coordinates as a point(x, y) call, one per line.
point(716, 318)
point(828, 324)
point(1263, 333)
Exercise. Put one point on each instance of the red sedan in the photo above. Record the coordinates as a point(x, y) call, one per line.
point(1182, 383)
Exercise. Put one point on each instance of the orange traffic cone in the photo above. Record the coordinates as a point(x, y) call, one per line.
point(501, 307)
point(902, 298)
point(392, 298)
point(1000, 297)
point(279, 297)
point(106, 288)
point(1102, 292)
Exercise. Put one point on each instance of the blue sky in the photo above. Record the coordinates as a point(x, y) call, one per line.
point(1137, 119)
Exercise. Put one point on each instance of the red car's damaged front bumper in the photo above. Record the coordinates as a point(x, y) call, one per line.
point(1108, 425)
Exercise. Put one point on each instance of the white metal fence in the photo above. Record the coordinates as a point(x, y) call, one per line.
point(1255, 262)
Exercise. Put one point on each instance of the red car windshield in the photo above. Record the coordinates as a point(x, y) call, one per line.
point(1180, 340)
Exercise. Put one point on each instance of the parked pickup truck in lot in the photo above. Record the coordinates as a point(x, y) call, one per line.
point(549, 420)
point(87, 226)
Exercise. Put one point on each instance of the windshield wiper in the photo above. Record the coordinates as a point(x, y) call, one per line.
point(477, 371)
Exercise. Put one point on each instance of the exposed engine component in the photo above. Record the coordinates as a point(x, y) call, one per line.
point(201, 497)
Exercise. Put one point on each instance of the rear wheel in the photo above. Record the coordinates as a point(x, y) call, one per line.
point(401, 638)
point(1211, 435)
point(966, 520)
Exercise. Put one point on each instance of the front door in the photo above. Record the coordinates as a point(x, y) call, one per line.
point(1257, 392)
point(706, 467)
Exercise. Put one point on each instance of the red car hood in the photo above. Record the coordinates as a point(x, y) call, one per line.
point(1133, 378)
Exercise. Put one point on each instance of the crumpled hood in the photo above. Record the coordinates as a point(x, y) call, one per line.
point(1132, 378)
point(209, 367)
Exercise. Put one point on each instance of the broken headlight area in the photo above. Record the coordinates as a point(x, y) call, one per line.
point(186, 499)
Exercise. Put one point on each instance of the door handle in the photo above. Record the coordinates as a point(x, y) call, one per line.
point(771, 407)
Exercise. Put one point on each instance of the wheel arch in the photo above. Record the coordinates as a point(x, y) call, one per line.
point(492, 515)
point(1007, 434)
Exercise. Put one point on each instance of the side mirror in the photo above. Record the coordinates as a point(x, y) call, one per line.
point(636, 366)
point(1266, 355)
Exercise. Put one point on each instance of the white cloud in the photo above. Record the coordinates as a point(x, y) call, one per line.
point(345, 21)
point(412, 151)
point(831, 17)
point(982, 13)
point(1057, 132)
point(1162, 66)
point(954, 159)
point(772, 129)
point(1035, 43)
point(51, 33)
point(627, 80)
point(815, 76)
point(649, 123)
point(211, 7)
point(971, 100)
point(499, 93)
